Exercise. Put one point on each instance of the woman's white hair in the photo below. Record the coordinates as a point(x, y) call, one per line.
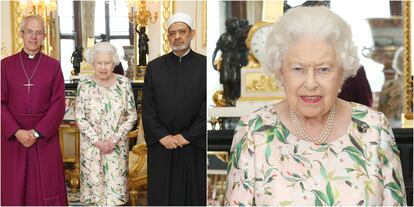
point(314, 22)
point(102, 47)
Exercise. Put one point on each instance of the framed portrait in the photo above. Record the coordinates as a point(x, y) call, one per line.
point(70, 100)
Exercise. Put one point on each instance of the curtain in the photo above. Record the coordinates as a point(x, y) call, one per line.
point(88, 21)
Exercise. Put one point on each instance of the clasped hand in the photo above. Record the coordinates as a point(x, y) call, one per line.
point(25, 137)
point(107, 146)
point(173, 141)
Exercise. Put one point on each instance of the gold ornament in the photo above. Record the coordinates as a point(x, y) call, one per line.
point(218, 99)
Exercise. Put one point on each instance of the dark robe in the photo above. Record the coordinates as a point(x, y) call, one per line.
point(174, 101)
point(34, 175)
point(357, 89)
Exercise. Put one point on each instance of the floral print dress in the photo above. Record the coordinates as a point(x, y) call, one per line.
point(102, 113)
point(270, 166)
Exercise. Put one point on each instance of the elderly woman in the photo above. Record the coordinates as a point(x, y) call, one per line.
point(313, 148)
point(105, 113)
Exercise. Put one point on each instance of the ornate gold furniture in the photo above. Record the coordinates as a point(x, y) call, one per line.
point(216, 177)
point(72, 176)
point(137, 177)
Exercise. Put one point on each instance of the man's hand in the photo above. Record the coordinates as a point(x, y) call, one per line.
point(168, 142)
point(104, 147)
point(25, 137)
point(180, 140)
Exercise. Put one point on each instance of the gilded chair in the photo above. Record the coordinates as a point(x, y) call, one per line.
point(137, 176)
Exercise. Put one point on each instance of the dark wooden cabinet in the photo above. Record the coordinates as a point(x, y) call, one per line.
point(404, 139)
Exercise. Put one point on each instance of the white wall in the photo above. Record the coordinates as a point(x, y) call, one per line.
point(154, 33)
point(215, 27)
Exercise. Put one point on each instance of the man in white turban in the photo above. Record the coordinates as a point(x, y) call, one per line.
point(174, 120)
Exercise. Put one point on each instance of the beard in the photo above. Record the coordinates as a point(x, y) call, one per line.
point(182, 47)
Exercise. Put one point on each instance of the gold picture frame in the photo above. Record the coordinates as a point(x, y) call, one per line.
point(408, 103)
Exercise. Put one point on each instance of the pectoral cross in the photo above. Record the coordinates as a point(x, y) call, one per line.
point(28, 85)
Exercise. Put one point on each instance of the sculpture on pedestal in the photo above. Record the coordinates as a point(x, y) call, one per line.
point(103, 38)
point(142, 45)
point(234, 56)
point(76, 59)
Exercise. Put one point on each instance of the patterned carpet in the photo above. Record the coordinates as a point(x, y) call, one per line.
point(74, 198)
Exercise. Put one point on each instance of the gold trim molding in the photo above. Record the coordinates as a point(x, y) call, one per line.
point(167, 11)
point(408, 104)
point(16, 13)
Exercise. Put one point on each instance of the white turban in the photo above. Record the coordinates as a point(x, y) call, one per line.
point(181, 17)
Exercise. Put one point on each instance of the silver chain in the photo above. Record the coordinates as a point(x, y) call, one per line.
point(24, 69)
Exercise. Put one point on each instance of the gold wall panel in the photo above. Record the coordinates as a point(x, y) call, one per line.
point(168, 6)
point(17, 16)
point(18, 13)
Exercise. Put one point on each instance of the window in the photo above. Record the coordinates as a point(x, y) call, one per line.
point(111, 19)
point(67, 36)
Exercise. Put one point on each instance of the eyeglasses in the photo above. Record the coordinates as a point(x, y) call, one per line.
point(31, 32)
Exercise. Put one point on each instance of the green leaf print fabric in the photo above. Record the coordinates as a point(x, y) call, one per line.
point(102, 113)
point(270, 166)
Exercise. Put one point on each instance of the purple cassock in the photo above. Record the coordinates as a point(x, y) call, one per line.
point(32, 97)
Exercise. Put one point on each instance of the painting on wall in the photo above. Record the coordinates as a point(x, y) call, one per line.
point(70, 100)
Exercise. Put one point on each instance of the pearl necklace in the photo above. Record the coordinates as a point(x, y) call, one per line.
point(325, 132)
